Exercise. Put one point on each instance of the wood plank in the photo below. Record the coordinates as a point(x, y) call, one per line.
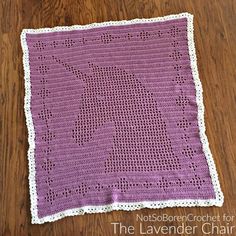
point(215, 37)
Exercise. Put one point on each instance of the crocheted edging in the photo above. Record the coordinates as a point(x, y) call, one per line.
point(218, 201)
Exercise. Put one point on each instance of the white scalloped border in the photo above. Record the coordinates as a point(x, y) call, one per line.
point(218, 201)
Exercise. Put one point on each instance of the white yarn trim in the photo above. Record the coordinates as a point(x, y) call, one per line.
point(218, 201)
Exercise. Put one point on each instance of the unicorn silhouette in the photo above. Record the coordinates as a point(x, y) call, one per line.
point(140, 139)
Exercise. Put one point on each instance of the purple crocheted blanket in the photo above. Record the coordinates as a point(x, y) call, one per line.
point(115, 118)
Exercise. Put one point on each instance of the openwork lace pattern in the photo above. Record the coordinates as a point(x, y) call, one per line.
point(115, 118)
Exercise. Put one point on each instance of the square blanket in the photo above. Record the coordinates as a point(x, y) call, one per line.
point(115, 118)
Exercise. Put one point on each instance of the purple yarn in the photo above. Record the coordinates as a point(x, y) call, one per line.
point(115, 117)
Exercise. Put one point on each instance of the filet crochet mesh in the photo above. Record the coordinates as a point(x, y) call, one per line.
point(115, 117)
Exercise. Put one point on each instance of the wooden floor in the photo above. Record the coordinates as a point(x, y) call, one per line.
point(215, 36)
